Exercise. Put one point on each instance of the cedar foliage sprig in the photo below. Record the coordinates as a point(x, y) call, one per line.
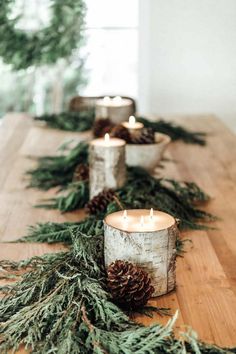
point(61, 305)
point(176, 132)
point(75, 196)
point(55, 171)
point(52, 232)
point(78, 121)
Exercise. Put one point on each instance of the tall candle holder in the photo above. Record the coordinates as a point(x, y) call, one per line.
point(107, 168)
point(147, 239)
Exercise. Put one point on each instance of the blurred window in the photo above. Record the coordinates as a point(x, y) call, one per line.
point(112, 47)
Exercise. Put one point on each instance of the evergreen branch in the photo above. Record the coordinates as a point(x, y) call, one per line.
point(69, 121)
point(61, 306)
point(172, 197)
point(144, 191)
point(55, 171)
point(61, 232)
point(176, 132)
point(77, 195)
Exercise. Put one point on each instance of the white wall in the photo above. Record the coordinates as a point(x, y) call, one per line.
point(188, 57)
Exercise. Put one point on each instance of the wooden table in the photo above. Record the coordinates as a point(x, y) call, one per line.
point(206, 275)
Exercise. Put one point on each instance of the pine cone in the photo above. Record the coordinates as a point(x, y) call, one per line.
point(101, 127)
point(81, 173)
point(99, 203)
point(129, 285)
point(121, 132)
point(147, 136)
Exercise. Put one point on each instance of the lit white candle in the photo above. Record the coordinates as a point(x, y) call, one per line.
point(133, 126)
point(107, 100)
point(118, 109)
point(148, 220)
point(107, 167)
point(146, 238)
point(107, 141)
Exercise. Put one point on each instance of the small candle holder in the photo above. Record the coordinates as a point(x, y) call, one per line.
point(147, 239)
point(147, 156)
point(117, 109)
point(107, 168)
point(135, 128)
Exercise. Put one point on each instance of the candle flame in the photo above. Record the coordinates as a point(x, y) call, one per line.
point(117, 100)
point(132, 120)
point(151, 214)
point(107, 138)
point(142, 221)
point(106, 99)
point(125, 215)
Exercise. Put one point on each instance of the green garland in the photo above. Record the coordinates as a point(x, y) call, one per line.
point(23, 49)
point(143, 191)
point(82, 120)
point(51, 232)
point(69, 121)
point(61, 306)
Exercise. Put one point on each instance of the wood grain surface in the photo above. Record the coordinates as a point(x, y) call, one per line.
point(206, 275)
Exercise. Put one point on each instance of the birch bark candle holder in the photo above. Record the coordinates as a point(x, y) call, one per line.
point(107, 167)
point(118, 109)
point(147, 156)
point(147, 239)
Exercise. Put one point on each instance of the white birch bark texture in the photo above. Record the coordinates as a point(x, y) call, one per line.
point(107, 168)
point(117, 114)
point(155, 252)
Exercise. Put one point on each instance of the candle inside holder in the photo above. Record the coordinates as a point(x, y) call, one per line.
point(133, 126)
point(118, 109)
point(149, 220)
point(146, 238)
point(107, 167)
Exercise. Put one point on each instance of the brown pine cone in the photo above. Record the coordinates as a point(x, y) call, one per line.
point(81, 173)
point(99, 203)
point(101, 127)
point(121, 132)
point(147, 136)
point(129, 285)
